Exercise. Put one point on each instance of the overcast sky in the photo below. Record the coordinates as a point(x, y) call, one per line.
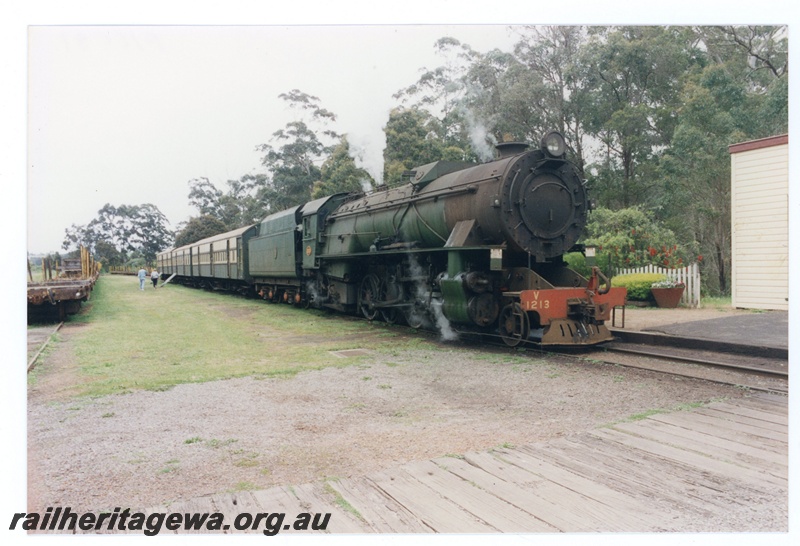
point(128, 115)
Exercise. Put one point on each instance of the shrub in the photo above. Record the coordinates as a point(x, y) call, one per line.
point(577, 262)
point(633, 237)
point(638, 284)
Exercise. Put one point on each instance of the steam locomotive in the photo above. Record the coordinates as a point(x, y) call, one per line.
point(476, 247)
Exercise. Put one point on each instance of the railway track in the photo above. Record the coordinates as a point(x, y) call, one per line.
point(759, 372)
point(38, 339)
point(769, 367)
point(753, 367)
point(763, 369)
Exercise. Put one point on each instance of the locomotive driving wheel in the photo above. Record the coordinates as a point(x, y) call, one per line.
point(390, 291)
point(514, 325)
point(369, 295)
point(415, 315)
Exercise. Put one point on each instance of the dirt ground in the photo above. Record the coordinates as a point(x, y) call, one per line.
point(148, 448)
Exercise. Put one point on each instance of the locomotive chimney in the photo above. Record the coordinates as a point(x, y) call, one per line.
point(507, 149)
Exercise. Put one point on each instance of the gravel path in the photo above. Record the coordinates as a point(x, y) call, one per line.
point(147, 448)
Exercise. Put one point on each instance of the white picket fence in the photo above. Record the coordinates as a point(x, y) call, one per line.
point(689, 275)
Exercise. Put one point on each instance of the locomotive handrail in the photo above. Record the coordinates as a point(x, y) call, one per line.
point(403, 251)
point(450, 190)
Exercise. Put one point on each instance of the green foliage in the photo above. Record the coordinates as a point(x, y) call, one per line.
point(629, 96)
point(126, 229)
point(204, 196)
point(339, 173)
point(108, 255)
point(760, 53)
point(633, 238)
point(135, 262)
point(292, 154)
point(638, 284)
point(241, 205)
point(441, 93)
point(697, 166)
point(291, 163)
point(773, 108)
point(577, 262)
point(663, 102)
point(738, 95)
point(411, 141)
point(197, 228)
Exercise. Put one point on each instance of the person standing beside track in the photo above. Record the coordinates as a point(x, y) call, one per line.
point(142, 276)
point(154, 277)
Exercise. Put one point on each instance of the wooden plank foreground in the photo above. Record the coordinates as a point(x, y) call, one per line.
point(707, 469)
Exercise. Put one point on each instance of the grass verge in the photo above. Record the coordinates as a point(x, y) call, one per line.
point(157, 338)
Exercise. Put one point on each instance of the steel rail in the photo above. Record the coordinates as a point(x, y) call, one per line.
point(33, 360)
point(694, 360)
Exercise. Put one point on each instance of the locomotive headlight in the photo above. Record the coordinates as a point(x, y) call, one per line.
point(553, 144)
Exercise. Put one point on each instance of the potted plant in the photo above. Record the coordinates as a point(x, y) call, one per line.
point(667, 293)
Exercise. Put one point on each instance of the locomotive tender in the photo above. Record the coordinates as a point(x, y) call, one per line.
point(477, 245)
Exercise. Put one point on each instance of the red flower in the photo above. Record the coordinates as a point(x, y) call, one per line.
point(700, 258)
point(652, 251)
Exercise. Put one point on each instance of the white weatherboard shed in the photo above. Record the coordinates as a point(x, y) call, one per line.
point(760, 223)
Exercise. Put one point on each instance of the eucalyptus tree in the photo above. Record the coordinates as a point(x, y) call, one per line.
point(197, 228)
point(629, 89)
point(293, 153)
point(740, 94)
point(762, 51)
point(546, 94)
point(128, 228)
point(108, 255)
point(205, 197)
point(237, 207)
point(480, 99)
point(757, 58)
point(500, 103)
point(412, 139)
point(340, 174)
point(440, 91)
point(696, 171)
